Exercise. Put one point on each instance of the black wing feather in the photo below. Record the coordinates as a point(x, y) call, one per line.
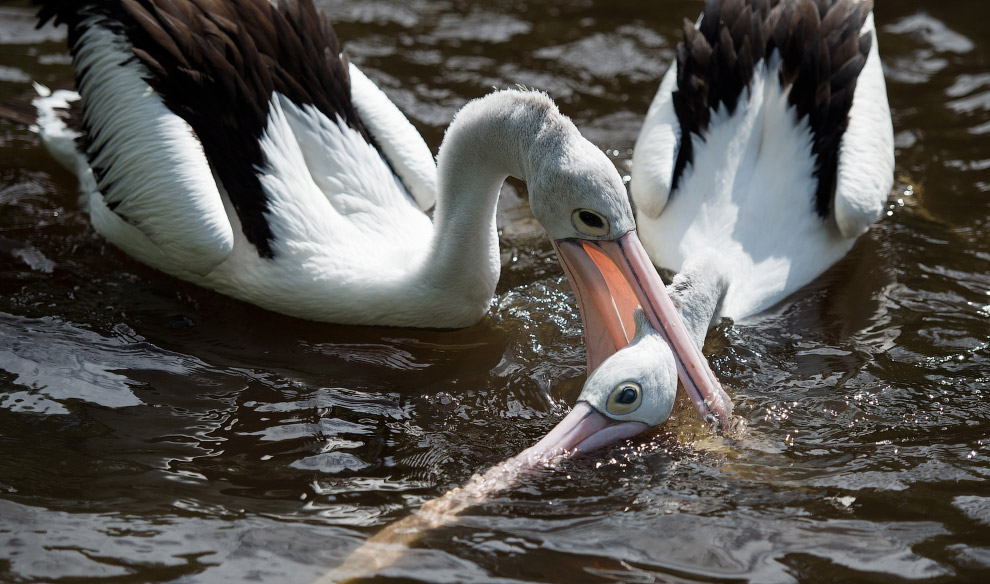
point(822, 54)
point(216, 64)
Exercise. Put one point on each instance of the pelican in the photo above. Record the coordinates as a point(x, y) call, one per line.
point(768, 148)
point(232, 144)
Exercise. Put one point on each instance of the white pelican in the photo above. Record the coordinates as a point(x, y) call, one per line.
point(231, 144)
point(769, 142)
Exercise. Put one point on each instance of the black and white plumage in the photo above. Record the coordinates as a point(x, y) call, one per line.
point(191, 110)
point(230, 144)
point(769, 141)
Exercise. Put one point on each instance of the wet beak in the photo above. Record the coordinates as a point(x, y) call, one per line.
point(582, 430)
point(610, 279)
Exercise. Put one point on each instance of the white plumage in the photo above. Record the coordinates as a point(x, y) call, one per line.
point(748, 193)
point(219, 168)
point(153, 157)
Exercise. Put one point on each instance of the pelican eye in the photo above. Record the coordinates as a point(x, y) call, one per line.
point(625, 398)
point(591, 223)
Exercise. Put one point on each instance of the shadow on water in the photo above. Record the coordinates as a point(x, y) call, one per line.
point(151, 431)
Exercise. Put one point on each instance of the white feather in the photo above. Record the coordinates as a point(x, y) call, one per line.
point(656, 150)
point(749, 192)
point(161, 179)
point(407, 153)
point(866, 159)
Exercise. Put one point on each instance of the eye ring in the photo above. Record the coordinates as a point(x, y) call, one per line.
point(625, 398)
point(590, 223)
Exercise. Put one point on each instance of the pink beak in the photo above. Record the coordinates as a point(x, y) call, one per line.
point(610, 279)
point(582, 430)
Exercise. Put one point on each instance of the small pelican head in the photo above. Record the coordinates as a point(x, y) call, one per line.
point(630, 392)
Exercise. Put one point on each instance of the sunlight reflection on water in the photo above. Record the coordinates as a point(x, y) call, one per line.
point(154, 431)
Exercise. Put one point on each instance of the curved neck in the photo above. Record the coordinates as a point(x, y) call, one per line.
point(698, 290)
point(489, 139)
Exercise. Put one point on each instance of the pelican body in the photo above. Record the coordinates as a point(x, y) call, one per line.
point(769, 141)
point(232, 144)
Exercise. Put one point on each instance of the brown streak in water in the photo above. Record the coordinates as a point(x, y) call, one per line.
point(388, 545)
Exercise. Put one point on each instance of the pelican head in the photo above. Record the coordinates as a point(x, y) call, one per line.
point(580, 200)
point(630, 392)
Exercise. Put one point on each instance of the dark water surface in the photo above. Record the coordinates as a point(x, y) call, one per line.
point(151, 431)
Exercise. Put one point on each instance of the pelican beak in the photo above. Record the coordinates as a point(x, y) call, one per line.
point(610, 279)
point(582, 430)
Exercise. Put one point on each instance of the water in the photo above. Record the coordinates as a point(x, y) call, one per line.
point(151, 431)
